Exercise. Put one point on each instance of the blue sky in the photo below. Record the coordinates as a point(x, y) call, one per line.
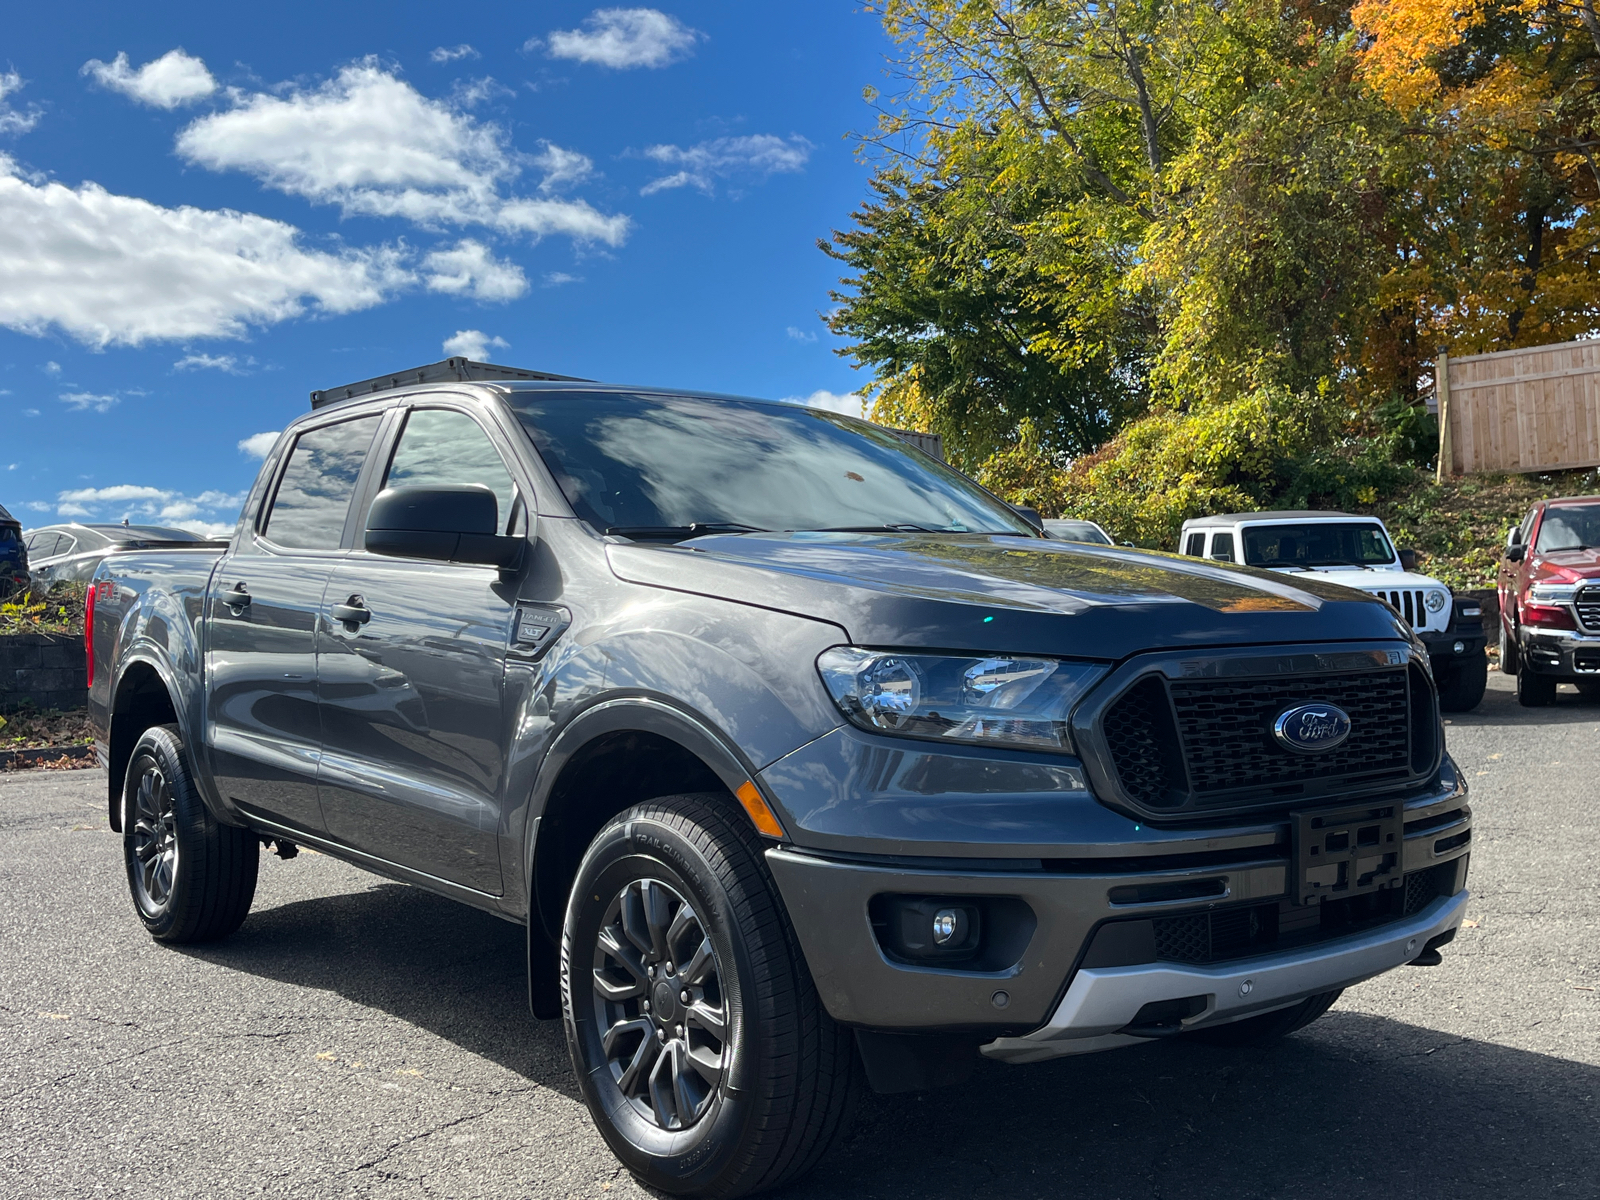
point(208, 210)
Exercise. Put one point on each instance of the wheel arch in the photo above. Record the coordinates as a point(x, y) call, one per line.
point(610, 757)
point(144, 697)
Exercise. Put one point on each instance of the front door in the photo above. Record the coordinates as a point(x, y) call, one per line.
point(261, 667)
point(414, 736)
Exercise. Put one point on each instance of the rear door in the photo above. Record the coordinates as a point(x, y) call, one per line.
point(263, 726)
point(415, 739)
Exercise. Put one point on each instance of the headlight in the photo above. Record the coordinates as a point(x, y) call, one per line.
point(1553, 593)
point(994, 700)
point(1436, 601)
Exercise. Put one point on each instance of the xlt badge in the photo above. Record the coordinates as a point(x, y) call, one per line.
point(1311, 728)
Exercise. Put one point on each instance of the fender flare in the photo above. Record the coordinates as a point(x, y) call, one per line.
point(141, 653)
point(641, 712)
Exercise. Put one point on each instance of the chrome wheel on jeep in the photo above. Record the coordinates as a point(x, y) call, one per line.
point(658, 996)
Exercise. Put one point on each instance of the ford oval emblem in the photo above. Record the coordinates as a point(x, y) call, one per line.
point(1311, 728)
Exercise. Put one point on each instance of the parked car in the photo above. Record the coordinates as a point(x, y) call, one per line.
point(1078, 531)
point(789, 747)
point(72, 552)
point(1357, 552)
point(1550, 599)
point(13, 555)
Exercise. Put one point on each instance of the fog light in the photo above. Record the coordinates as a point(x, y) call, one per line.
point(1459, 647)
point(944, 925)
point(928, 928)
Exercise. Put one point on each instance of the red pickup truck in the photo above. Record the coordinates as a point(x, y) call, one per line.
point(1550, 600)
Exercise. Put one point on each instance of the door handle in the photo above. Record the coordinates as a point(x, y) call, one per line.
point(353, 611)
point(237, 599)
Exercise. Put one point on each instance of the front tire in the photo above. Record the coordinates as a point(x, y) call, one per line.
point(1534, 691)
point(1463, 685)
point(699, 1042)
point(191, 876)
point(1268, 1027)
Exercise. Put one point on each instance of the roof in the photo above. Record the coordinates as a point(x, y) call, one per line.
point(1286, 515)
point(1559, 499)
point(5, 516)
point(449, 370)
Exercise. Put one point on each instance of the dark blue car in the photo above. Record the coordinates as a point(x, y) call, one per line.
point(13, 555)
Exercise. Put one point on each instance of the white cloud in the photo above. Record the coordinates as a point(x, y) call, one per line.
point(849, 403)
point(210, 513)
point(470, 270)
point(30, 412)
point(557, 278)
point(473, 344)
point(561, 167)
point(623, 38)
point(229, 363)
point(173, 79)
point(760, 154)
point(444, 54)
point(800, 335)
point(372, 144)
point(84, 401)
point(12, 121)
point(118, 270)
point(259, 445)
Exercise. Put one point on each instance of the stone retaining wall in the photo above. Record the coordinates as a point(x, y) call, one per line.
point(42, 669)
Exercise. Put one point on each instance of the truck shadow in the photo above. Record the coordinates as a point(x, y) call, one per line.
point(453, 971)
point(1357, 1105)
point(1499, 707)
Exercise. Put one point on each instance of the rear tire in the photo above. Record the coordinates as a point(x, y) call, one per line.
point(1464, 682)
point(1269, 1027)
point(191, 876)
point(1508, 650)
point(1534, 691)
point(702, 1050)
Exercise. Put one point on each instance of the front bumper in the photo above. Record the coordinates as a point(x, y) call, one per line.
point(1102, 1001)
point(1564, 653)
point(1442, 647)
point(829, 898)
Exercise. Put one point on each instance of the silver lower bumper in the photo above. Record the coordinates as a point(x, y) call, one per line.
point(1104, 1000)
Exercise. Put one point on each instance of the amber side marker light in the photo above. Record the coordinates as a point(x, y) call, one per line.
point(766, 821)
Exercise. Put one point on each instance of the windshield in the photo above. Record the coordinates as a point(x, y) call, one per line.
point(1569, 527)
point(646, 466)
point(1323, 544)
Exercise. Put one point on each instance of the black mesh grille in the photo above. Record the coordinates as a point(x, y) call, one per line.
point(1226, 727)
point(1184, 939)
point(1143, 741)
point(1215, 936)
point(1422, 889)
point(1589, 608)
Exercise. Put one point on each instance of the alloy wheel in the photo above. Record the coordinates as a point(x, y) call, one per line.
point(659, 997)
point(155, 839)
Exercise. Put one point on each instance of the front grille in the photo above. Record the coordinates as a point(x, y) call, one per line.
point(1588, 606)
point(1143, 742)
point(1226, 728)
point(1408, 604)
point(1215, 936)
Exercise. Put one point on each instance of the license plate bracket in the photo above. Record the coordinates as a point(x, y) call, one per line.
point(1347, 851)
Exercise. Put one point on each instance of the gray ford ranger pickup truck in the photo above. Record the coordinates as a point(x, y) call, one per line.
point(803, 760)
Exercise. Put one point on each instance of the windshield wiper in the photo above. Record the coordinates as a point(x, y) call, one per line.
point(1281, 562)
point(1566, 549)
point(1339, 562)
point(678, 533)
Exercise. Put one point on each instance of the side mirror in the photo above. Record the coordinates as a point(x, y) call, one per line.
point(1222, 556)
point(441, 524)
point(1514, 536)
point(1030, 515)
point(1516, 553)
point(1408, 559)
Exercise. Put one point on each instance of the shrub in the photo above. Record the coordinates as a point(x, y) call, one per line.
point(57, 608)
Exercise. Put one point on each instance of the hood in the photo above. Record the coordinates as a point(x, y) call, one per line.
point(1566, 566)
point(1003, 594)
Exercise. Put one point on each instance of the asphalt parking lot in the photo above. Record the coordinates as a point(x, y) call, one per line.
point(361, 1038)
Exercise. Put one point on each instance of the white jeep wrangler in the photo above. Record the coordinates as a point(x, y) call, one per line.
point(1357, 552)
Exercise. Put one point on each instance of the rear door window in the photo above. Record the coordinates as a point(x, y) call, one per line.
point(313, 499)
point(1197, 545)
point(1222, 547)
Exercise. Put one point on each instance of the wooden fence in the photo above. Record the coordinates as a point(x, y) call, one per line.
point(1520, 411)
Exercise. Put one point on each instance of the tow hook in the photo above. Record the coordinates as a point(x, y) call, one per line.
point(1430, 956)
point(282, 847)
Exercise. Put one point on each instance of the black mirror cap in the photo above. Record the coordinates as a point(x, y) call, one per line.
point(1408, 559)
point(441, 524)
point(1516, 553)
